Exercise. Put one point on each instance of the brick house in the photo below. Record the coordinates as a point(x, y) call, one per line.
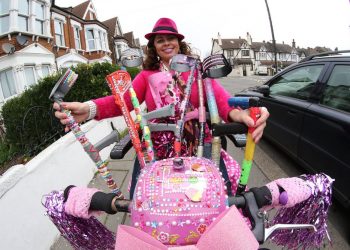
point(25, 45)
point(78, 35)
point(37, 38)
point(120, 41)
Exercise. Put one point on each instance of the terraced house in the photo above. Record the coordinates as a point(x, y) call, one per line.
point(38, 37)
point(248, 58)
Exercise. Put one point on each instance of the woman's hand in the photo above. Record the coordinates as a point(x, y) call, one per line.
point(79, 111)
point(243, 116)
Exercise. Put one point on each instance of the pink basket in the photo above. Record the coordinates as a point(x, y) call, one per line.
point(176, 206)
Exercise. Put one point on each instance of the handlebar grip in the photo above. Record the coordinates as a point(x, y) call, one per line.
point(102, 202)
point(262, 196)
point(122, 205)
point(229, 128)
point(107, 140)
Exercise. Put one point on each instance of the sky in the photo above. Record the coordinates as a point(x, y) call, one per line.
point(309, 22)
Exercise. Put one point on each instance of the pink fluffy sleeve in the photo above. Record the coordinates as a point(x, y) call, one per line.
point(78, 202)
point(106, 106)
point(222, 96)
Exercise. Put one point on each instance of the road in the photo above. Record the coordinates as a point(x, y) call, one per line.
point(274, 164)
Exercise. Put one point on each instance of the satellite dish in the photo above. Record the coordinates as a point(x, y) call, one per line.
point(22, 40)
point(8, 48)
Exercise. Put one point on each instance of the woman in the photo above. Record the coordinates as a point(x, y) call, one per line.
point(163, 43)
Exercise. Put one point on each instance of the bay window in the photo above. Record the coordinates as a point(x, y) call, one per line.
point(7, 83)
point(23, 15)
point(91, 39)
point(59, 33)
point(77, 40)
point(39, 18)
point(4, 15)
point(29, 75)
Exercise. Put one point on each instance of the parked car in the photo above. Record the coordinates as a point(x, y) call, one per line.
point(309, 105)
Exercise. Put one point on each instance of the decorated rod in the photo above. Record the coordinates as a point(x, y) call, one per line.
point(214, 119)
point(119, 82)
point(183, 63)
point(246, 165)
point(214, 66)
point(146, 133)
point(58, 92)
point(201, 111)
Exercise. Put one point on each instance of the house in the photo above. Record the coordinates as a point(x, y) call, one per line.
point(38, 37)
point(25, 45)
point(247, 57)
point(79, 37)
point(120, 41)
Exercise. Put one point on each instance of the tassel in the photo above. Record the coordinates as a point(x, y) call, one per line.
point(313, 210)
point(80, 233)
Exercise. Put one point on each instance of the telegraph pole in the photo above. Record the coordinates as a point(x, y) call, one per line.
point(273, 36)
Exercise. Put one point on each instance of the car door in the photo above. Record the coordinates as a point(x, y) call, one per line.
point(287, 103)
point(325, 135)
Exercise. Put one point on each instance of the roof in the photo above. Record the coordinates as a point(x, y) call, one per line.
point(111, 24)
point(231, 43)
point(80, 9)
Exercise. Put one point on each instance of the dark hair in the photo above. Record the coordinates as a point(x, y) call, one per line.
point(151, 61)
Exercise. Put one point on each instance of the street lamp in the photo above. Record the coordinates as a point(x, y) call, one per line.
point(273, 35)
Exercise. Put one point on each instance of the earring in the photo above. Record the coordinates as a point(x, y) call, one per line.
point(158, 58)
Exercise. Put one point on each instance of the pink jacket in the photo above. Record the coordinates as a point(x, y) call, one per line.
point(107, 108)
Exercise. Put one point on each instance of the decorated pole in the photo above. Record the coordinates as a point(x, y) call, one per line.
point(214, 119)
point(58, 92)
point(119, 82)
point(201, 112)
point(146, 133)
point(183, 63)
point(254, 112)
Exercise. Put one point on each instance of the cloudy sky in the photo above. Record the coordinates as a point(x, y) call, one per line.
point(310, 22)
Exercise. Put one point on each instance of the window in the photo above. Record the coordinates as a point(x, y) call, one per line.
point(23, 14)
point(337, 90)
point(45, 69)
point(29, 75)
point(294, 57)
point(4, 15)
point(90, 39)
point(297, 83)
point(282, 56)
point(77, 37)
point(7, 84)
point(59, 34)
point(99, 40)
point(230, 53)
point(103, 41)
point(245, 52)
point(39, 19)
point(262, 55)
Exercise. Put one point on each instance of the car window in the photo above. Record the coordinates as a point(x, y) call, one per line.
point(337, 90)
point(297, 83)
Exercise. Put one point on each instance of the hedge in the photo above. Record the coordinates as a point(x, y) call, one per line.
point(29, 118)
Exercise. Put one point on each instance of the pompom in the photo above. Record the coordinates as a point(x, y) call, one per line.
point(80, 233)
point(313, 210)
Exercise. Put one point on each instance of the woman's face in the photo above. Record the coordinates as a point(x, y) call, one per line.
point(166, 46)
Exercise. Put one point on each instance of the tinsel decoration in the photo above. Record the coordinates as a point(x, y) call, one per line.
point(314, 211)
point(89, 234)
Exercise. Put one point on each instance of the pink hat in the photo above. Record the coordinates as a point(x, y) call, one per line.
point(165, 26)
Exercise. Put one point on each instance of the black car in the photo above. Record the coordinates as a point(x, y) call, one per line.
point(309, 105)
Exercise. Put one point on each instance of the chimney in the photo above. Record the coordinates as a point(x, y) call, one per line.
point(219, 39)
point(249, 39)
point(293, 43)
